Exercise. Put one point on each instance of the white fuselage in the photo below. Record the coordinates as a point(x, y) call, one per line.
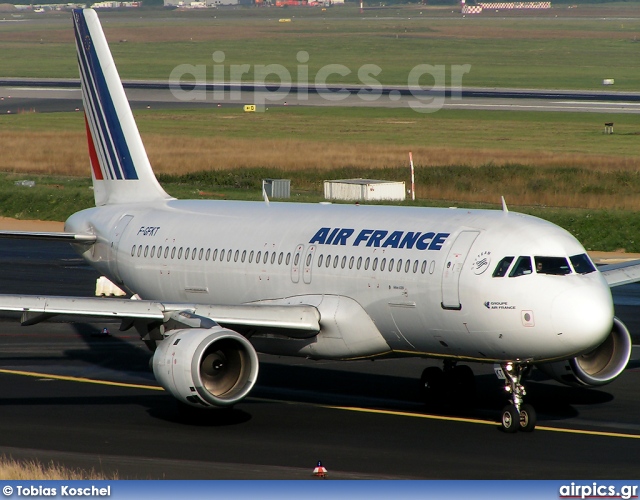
point(424, 277)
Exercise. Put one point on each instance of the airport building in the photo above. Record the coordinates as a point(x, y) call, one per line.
point(204, 4)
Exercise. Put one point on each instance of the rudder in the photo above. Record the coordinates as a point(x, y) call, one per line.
point(119, 164)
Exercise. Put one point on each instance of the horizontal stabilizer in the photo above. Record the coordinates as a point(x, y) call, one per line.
point(49, 236)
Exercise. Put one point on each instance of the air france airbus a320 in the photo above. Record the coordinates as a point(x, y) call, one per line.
point(216, 281)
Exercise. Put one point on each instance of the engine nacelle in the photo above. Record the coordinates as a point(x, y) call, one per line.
point(206, 367)
point(597, 367)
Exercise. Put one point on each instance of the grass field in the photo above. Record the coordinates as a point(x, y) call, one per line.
point(559, 166)
point(570, 51)
point(11, 469)
point(533, 158)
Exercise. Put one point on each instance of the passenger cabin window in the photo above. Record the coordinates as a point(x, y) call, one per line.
point(552, 265)
point(522, 267)
point(502, 267)
point(582, 264)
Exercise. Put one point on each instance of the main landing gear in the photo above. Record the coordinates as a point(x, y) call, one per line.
point(454, 384)
point(517, 415)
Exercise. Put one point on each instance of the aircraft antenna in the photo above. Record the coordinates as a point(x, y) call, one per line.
point(504, 205)
point(264, 195)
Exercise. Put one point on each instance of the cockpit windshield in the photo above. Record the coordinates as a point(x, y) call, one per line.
point(552, 265)
point(582, 264)
point(502, 267)
point(557, 266)
point(522, 267)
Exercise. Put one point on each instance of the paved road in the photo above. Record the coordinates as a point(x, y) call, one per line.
point(362, 419)
point(45, 95)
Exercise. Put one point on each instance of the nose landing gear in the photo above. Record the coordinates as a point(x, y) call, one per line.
point(517, 415)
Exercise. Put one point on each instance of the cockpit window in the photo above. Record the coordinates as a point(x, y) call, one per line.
point(522, 267)
point(582, 264)
point(502, 267)
point(552, 265)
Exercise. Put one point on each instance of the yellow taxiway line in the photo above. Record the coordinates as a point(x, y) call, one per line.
point(81, 379)
point(344, 408)
point(484, 422)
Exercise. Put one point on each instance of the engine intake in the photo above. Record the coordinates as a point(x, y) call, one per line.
point(206, 367)
point(597, 367)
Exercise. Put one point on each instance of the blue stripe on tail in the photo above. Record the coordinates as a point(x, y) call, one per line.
point(112, 144)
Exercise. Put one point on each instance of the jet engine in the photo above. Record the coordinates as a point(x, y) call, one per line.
point(206, 367)
point(597, 367)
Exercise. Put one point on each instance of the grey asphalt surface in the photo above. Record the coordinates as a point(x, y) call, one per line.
point(44, 95)
point(296, 415)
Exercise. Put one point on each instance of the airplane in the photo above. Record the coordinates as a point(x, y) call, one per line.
point(213, 282)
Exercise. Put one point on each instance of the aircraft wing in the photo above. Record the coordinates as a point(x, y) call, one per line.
point(299, 321)
point(50, 236)
point(621, 274)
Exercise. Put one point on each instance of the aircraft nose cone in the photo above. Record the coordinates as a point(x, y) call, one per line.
point(583, 316)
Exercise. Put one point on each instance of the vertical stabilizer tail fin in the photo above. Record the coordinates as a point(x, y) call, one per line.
point(119, 164)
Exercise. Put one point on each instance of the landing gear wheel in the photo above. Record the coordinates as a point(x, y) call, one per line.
point(432, 385)
point(528, 418)
point(463, 386)
point(510, 419)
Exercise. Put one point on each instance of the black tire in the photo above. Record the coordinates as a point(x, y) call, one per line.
point(528, 418)
point(510, 421)
point(462, 386)
point(432, 386)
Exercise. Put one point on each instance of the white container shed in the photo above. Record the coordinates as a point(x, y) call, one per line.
point(364, 190)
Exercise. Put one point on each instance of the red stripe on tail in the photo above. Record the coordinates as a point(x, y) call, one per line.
point(95, 164)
